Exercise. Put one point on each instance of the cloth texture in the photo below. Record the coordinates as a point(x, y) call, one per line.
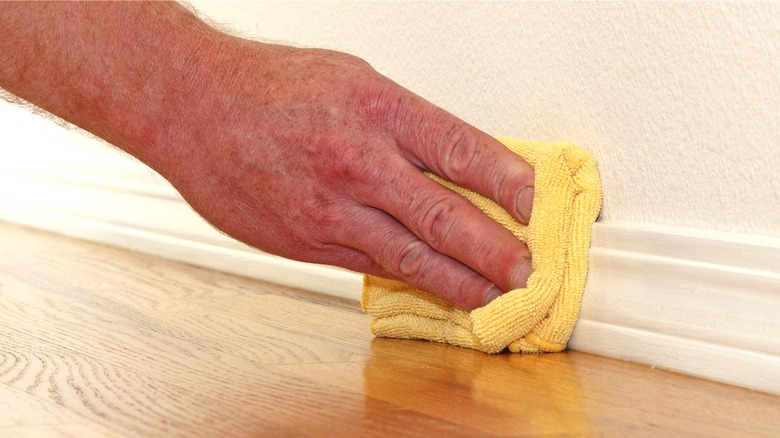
point(538, 318)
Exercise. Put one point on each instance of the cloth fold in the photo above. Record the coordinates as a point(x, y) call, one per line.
point(537, 318)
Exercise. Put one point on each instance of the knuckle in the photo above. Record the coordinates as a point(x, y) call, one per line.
point(352, 164)
point(410, 260)
point(379, 101)
point(323, 212)
point(339, 58)
point(438, 218)
point(459, 149)
point(469, 292)
point(342, 161)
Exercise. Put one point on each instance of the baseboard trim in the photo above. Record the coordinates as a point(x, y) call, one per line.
point(696, 302)
point(231, 257)
point(691, 301)
point(712, 361)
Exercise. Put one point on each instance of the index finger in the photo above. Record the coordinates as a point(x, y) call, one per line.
point(447, 146)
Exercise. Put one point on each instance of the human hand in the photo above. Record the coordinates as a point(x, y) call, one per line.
point(314, 156)
point(308, 154)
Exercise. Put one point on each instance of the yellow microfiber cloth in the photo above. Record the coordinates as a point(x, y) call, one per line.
point(537, 318)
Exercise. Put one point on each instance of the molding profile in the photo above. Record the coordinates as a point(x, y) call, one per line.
point(691, 301)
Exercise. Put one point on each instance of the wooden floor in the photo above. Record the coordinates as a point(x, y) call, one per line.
point(96, 341)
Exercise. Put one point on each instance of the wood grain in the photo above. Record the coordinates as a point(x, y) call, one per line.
point(96, 341)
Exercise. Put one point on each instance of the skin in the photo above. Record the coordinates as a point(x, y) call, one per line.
point(308, 154)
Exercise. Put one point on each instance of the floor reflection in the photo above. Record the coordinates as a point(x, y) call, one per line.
point(505, 393)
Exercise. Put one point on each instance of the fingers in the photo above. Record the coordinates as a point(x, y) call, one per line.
point(452, 226)
point(394, 252)
point(449, 147)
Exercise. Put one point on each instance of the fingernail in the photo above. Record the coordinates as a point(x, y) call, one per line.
point(520, 275)
point(524, 204)
point(492, 294)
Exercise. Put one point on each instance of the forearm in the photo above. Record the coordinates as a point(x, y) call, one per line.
point(128, 73)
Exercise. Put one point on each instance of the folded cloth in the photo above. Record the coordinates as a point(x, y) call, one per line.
point(537, 318)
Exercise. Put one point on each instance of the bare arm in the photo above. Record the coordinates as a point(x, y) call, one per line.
point(309, 154)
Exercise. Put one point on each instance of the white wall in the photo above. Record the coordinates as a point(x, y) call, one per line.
point(680, 103)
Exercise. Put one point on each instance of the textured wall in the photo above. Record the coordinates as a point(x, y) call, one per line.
point(680, 103)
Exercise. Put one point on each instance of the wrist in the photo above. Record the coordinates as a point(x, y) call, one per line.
point(157, 126)
point(209, 103)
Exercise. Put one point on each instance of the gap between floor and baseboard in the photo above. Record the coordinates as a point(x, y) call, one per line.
point(695, 302)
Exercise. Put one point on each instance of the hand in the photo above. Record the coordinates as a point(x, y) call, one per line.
point(314, 156)
point(308, 154)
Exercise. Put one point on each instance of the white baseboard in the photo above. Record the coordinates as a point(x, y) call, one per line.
point(700, 303)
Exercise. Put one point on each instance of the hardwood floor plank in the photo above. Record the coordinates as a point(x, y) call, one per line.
point(124, 398)
point(22, 414)
point(59, 431)
point(572, 393)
